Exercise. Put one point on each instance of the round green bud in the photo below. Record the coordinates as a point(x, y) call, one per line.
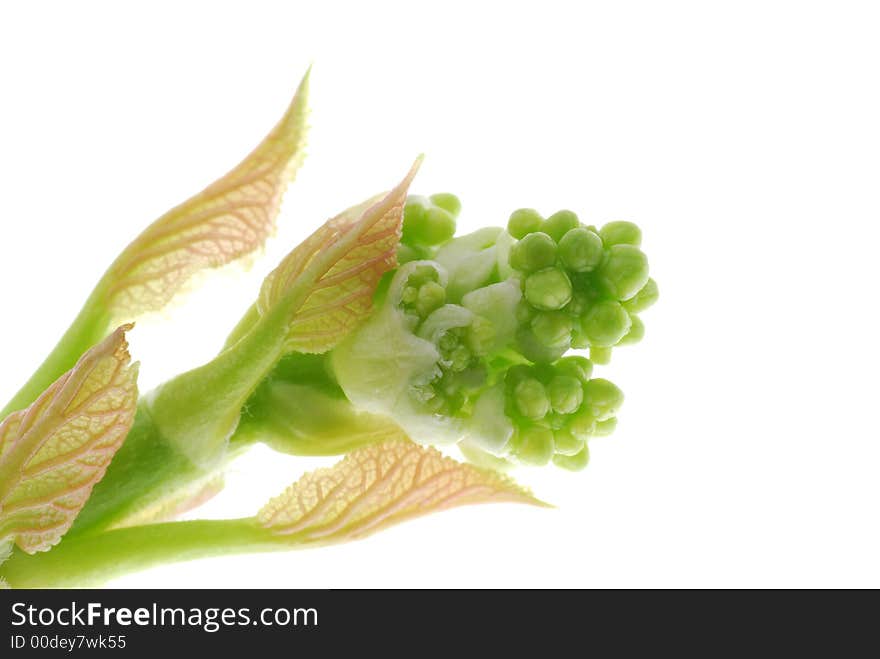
point(533, 252)
point(646, 296)
point(548, 289)
point(409, 295)
point(621, 233)
point(407, 253)
point(531, 399)
point(431, 296)
point(448, 202)
point(552, 328)
point(636, 331)
point(560, 223)
point(581, 250)
point(566, 394)
point(566, 443)
point(524, 221)
point(573, 462)
point(606, 323)
point(439, 226)
point(582, 425)
point(601, 356)
point(606, 427)
point(602, 398)
point(534, 445)
point(624, 272)
point(426, 224)
point(415, 208)
point(576, 367)
point(524, 313)
point(536, 351)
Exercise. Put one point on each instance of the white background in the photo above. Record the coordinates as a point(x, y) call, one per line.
point(743, 137)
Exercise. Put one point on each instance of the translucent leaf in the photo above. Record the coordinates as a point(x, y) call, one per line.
point(227, 220)
point(53, 452)
point(327, 283)
point(381, 485)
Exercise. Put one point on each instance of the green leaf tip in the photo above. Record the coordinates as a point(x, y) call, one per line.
point(326, 285)
point(377, 486)
point(229, 219)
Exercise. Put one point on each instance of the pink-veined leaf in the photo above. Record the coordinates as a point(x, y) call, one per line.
point(329, 280)
point(53, 452)
point(380, 485)
point(230, 218)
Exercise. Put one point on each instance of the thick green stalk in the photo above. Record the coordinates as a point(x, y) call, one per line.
point(144, 472)
point(297, 410)
point(88, 328)
point(93, 559)
point(199, 411)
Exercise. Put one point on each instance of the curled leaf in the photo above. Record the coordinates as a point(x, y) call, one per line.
point(380, 485)
point(227, 220)
point(53, 452)
point(327, 283)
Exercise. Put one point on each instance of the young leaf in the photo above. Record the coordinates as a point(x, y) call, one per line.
point(380, 485)
point(327, 283)
point(53, 452)
point(227, 220)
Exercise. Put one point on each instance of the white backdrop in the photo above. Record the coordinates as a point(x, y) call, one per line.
point(742, 137)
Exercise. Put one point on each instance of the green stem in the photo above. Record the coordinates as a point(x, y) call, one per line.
point(198, 411)
point(88, 328)
point(145, 470)
point(93, 559)
point(297, 410)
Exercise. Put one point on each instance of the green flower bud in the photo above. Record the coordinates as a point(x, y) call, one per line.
point(534, 445)
point(548, 289)
point(566, 394)
point(536, 351)
point(624, 272)
point(409, 295)
point(581, 250)
point(524, 221)
point(602, 398)
point(606, 427)
point(606, 323)
point(431, 296)
point(531, 399)
point(600, 356)
point(425, 223)
point(636, 331)
point(574, 462)
point(560, 223)
point(552, 328)
point(448, 202)
point(566, 443)
point(621, 233)
point(646, 296)
point(407, 253)
point(582, 425)
point(533, 252)
point(576, 367)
